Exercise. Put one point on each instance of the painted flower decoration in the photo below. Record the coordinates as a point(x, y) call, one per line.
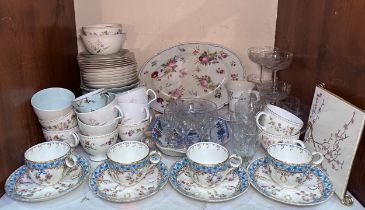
point(205, 81)
point(220, 71)
point(154, 74)
point(223, 54)
point(177, 93)
point(207, 58)
point(234, 76)
point(159, 100)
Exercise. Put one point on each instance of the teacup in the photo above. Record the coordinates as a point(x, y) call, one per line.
point(137, 95)
point(97, 146)
point(209, 163)
point(48, 162)
point(134, 113)
point(91, 101)
point(130, 161)
point(289, 164)
point(278, 121)
point(52, 103)
point(63, 123)
point(238, 89)
point(69, 136)
point(103, 115)
point(267, 138)
point(134, 132)
point(97, 130)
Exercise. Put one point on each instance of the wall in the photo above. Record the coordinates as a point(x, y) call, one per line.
point(155, 25)
point(329, 46)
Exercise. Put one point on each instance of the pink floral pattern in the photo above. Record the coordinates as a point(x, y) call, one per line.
point(205, 81)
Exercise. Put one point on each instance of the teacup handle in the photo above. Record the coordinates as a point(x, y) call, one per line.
point(154, 95)
point(320, 159)
point(154, 157)
point(234, 161)
point(120, 111)
point(72, 142)
point(258, 116)
point(147, 113)
point(299, 143)
point(71, 161)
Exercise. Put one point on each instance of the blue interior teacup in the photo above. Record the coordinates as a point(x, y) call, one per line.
point(91, 101)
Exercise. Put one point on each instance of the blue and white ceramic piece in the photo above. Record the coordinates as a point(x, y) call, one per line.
point(234, 184)
point(220, 135)
point(103, 185)
point(315, 189)
point(21, 187)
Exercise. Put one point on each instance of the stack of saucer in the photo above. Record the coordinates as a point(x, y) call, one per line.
point(116, 72)
point(56, 115)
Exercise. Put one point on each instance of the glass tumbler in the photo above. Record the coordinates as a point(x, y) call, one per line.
point(244, 141)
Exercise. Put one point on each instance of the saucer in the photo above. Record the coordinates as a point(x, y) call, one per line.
point(19, 186)
point(220, 132)
point(316, 189)
point(234, 185)
point(104, 186)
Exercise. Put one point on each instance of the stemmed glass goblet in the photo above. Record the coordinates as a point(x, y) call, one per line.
point(256, 54)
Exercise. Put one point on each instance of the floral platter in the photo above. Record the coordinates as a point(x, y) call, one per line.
point(316, 189)
point(234, 185)
point(191, 70)
point(102, 184)
point(20, 186)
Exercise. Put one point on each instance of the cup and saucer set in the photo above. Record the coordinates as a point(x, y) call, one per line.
point(50, 171)
point(131, 172)
point(208, 173)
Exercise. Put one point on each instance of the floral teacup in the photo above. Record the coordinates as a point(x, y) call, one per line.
point(91, 101)
point(133, 132)
point(65, 122)
point(97, 146)
point(278, 121)
point(69, 136)
point(48, 162)
point(289, 163)
point(209, 163)
point(130, 161)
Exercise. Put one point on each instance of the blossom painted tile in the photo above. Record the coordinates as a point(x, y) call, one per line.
point(191, 70)
point(334, 129)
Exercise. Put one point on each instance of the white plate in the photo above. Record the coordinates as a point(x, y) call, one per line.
point(234, 185)
point(21, 187)
point(316, 189)
point(191, 70)
point(109, 85)
point(103, 185)
point(113, 90)
point(113, 77)
point(111, 70)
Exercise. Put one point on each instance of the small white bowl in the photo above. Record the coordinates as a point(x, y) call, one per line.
point(103, 45)
point(102, 29)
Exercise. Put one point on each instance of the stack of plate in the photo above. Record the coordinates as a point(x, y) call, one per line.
point(117, 72)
